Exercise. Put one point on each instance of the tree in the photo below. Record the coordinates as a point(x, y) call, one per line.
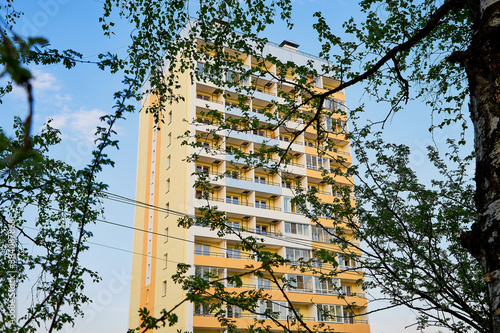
point(446, 51)
point(56, 199)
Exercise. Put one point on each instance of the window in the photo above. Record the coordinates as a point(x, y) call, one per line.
point(328, 123)
point(263, 283)
point(259, 132)
point(208, 273)
point(166, 234)
point(202, 168)
point(165, 261)
point(260, 179)
point(277, 310)
point(261, 204)
point(199, 194)
point(262, 229)
point(233, 311)
point(317, 163)
point(296, 228)
point(233, 253)
point(330, 313)
point(202, 249)
point(346, 290)
point(328, 104)
point(339, 105)
point(200, 68)
point(295, 255)
point(348, 317)
point(169, 117)
point(232, 174)
point(169, 139)
point(286, 184)
point(168, 162)
point(346, 261)
point(233, 226)
point(164, 288)
point(232, 199)
point(326, 285)
point(301, 283)
point(202, 309)
point(167, 209)
point(319, 234)
point(168, 185)
point(288, 205)
point(147, 296)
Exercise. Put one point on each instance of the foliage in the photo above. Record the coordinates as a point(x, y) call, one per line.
point(45, 204)
point(410, 230)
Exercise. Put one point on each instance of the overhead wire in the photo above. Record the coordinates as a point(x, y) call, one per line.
point(130, 201)
point(112, 196)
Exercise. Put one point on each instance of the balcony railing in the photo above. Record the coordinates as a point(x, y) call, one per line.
point(268, 207)
point(208, 98)
point(226, 254)
point(339, 320)
point(289, 140)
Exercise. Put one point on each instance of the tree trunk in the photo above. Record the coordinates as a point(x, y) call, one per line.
point(482, 64)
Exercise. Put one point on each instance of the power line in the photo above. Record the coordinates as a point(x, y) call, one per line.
point(123, 199)
point(137, 203)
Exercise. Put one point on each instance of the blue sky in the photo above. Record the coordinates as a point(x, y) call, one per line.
point(74, 99)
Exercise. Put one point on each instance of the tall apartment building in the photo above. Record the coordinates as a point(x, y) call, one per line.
point(254, 200)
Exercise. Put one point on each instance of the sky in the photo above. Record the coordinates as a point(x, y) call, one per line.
point(74, 99)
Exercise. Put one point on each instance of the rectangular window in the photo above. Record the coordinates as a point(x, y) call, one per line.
point(317, 163)
point(169, 117)
point(286, 184)
point(232, 199)
point(167, 209)
point(165, 261)
point(328, 104)
point(164, 288)
point(339, 105)
point(168, 185)
point(261, 204)
point(319, 234)
point(301, 283)
point(296, 228)
point(327, 286)
point(208, 273)
point(202, 309)
point(263, 283)
point(166, 235)
point(288, 205)
point(260, 179)
point(202, 249)
point(328, 123)
point(202, 168)
point(277, 310)
point(233, 253)
point(295, 255)
point(168, 162)
point(346, 262)
point(233, 311)
point(262, 229)
point(233, 226)
point(169, 139)
point(330, 313)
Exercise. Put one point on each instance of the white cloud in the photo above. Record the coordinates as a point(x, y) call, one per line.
point(78, 125)
point(42, 83)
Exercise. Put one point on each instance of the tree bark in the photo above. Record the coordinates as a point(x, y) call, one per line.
point(482, 65)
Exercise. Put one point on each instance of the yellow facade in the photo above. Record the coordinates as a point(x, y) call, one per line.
point(253, 199)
